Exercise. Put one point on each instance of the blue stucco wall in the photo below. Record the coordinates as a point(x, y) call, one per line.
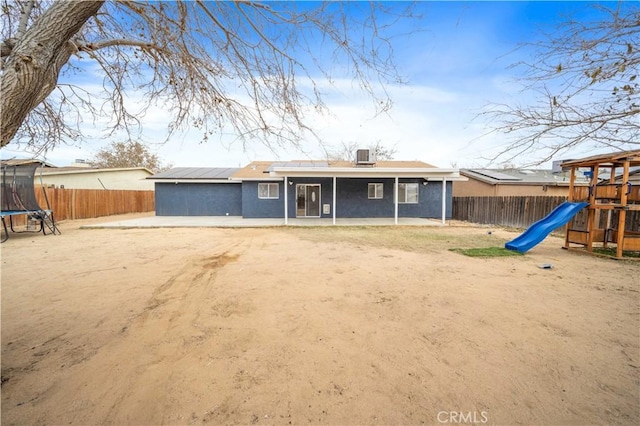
point(429, 200)
point(198, 199)
point(254, 207)
point(353, 198)
point(432, 193)
point(211, 199)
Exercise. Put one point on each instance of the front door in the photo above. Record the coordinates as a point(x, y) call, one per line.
point(307, 200)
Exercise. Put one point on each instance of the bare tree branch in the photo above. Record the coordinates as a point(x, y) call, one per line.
point(245, 68)
point(112, 43)
point(25, 13)
point(31, 71)
point(586, 81)
point(346, 151)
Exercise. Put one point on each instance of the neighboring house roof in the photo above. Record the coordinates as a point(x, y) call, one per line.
point(24, 161)
point(604, 175)
point(634, 176)
point(81, 170)
point(522, 177)
point(278, 170)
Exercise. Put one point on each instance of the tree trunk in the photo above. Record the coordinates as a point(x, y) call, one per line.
point(31, 71)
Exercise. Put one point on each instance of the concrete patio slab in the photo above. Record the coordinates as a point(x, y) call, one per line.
point(239, 222)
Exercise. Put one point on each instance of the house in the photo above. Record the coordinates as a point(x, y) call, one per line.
point(514, 182)
point(309, 189)
point(130, 178)
point(81, 175)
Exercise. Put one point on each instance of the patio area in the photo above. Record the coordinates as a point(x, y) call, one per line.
point(239, 222)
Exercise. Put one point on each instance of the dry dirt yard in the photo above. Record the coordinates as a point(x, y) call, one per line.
point(313, 325)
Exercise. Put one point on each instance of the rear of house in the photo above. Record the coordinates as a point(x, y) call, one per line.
point(309, 189)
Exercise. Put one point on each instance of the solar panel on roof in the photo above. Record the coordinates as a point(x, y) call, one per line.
point(294, 164)
point(494, 174)
point(197, 173)
point(275, 164)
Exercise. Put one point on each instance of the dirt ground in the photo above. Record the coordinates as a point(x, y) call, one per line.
point(313, 325)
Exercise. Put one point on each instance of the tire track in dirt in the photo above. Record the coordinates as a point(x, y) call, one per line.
point(161, 336)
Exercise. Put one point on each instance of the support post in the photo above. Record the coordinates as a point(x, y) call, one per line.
point(567, 227)
point(444, 200)
point(622, 215)
point(286, 201)
point(395, 201)
point(607, 225)
point(591, 221)
point(335, 182)
point(572, 182)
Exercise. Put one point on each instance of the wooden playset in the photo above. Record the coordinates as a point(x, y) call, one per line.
point(612, 219)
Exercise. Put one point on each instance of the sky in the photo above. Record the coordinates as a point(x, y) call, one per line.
point(456, 61)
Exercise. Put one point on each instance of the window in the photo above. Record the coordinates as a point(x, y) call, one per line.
point(268, 190)
point(408, 193)
point(375, 191)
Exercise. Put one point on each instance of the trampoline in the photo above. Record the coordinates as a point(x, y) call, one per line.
point(18, 198)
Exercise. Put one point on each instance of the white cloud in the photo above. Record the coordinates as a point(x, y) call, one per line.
point(457, 67)
point(425, 123)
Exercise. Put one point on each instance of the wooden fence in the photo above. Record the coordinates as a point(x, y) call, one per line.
point(522, 211)
point(516, 211)
point(88, 203)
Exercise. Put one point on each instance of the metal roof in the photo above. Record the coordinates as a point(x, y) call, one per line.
point(188, 173)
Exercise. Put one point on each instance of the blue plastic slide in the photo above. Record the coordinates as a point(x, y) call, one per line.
point(540, 229)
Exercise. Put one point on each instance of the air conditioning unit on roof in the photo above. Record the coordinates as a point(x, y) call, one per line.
point(365, 156)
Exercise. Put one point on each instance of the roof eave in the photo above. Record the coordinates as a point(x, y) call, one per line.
point(267, 177)
point(364, 172)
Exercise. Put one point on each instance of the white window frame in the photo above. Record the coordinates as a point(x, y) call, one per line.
point(272, 194)
point(405, 185)
point(378, 194)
